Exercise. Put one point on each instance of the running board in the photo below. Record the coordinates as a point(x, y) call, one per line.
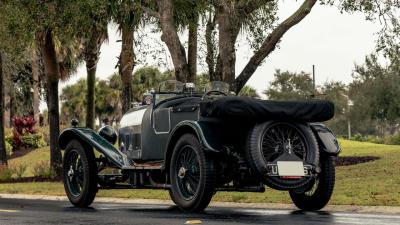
point(145, 166)
point(128, 186)
point(241, 189)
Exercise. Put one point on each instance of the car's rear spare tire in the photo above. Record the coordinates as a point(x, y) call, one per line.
point(319, 195)
point(274, 141)
point(192, 174)
point(79, 174)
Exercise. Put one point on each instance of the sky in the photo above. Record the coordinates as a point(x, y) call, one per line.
point(331, 41)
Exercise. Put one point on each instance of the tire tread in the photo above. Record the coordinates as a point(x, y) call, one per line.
point(89, 164)
point(200, 202)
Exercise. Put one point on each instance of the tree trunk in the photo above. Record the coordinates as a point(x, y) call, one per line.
point(126, 66)
point(52, 74)
point(3, 153)
point(171, 39)
point(90, 98)
point(12, 108)
point(218, 70)
point(7, 121)
point(210, 43)
point(192, 50)
point(35, 85)
point(92, 54)
point(227, 40)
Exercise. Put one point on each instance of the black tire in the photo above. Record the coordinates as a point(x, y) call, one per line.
point(80, 174)
point(258, 152)
point(320, 193)
point(192, 175)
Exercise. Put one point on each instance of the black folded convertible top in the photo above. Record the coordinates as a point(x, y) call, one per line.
point(254, 109)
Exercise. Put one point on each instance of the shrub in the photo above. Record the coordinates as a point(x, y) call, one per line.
point(393, 140)
point(32, 141)
point(8, 149)
point(359, 137)
point(7, 131)
point(45, 132)
point(42, 169)
point(389, 140)
point(9, 139)
point(22, 125)
point(6, 173)
point(19, 170)
point(375, 139)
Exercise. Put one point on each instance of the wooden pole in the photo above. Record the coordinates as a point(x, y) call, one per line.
point(313, 74)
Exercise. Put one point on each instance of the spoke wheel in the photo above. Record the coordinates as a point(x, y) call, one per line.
point(270, 140)
point(75, 173)
point(281, 138)
point(188, 167)
point(192, 175)
point(79, 174)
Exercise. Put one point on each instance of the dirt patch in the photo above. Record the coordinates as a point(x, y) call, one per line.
point(353, 160)
point(30, 179)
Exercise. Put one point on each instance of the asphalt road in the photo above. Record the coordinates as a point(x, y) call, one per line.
point(16, 211)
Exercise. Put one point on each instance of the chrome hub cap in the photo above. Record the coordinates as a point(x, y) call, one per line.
point(71, 173)
point(182, 172)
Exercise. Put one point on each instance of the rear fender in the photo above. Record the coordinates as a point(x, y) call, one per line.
point(90, 137)
point(326, 139)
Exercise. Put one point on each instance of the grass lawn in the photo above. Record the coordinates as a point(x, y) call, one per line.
point(372, 183)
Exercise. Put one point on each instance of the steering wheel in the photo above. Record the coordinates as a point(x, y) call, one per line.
point(208, 93)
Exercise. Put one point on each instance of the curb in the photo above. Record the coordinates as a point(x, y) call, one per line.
point(271, 206)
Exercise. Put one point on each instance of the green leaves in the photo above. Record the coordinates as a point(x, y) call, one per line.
point(290, 86)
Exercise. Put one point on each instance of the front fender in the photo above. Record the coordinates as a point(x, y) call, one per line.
point(93, 139)
point(326, 139)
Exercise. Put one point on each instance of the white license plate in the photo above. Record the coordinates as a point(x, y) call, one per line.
point(291, 168)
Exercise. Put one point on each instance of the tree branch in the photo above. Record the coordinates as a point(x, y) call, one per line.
point(270, 43)
point(171, 38)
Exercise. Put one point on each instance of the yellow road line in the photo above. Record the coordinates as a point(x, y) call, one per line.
point(193, 222)
point(9, 210)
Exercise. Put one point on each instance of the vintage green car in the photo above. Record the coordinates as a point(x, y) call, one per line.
point(197, 143)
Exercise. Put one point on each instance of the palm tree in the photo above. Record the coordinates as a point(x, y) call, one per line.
point(144, 80)
point(187, 15)
point(60, 61)
point(94, 35)
point(52, 73)
point(73, 100)
point(128, 18)
point(91, 55)
point(37, 74)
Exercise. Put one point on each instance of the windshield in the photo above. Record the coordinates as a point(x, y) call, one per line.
point(162, 97)
point(171, 86)
point(217, 86)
